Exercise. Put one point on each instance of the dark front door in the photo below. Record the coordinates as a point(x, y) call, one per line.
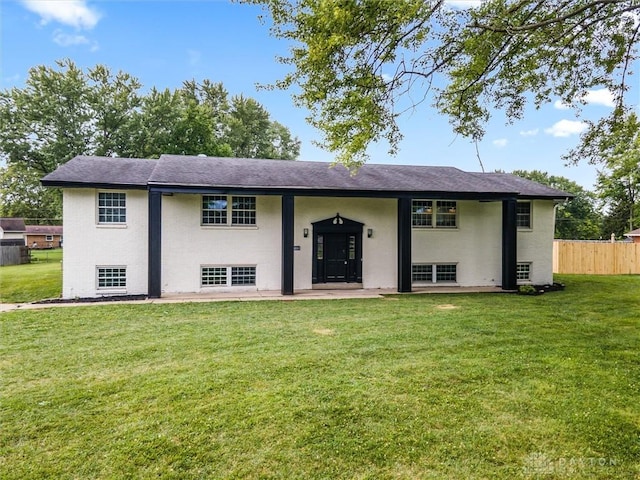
point(337, 250)
point(336, 258)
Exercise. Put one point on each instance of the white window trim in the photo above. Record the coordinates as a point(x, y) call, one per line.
point(530, 227)
point(527, 280)
point(111, 289)
point(111, 224)
point(229, 225)
point(434, 213)
point(434, 275)
point(48, 238)
point(229, 276)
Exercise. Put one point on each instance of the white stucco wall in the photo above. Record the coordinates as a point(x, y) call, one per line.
point(88, 245)
point(535, 245)
point(187, 245)
point(475, 245)
point(379, 253)
point(11, 235)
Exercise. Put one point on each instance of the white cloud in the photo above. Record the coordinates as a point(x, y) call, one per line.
point(500, 142)
point(75, 13)
point(66, 40)
point(529, 133)
point(566, 128)
point(601, 96)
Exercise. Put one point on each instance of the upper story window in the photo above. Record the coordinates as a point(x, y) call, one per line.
point(112, 207)
point(438, 214)
point(228, 210)
point(523, 215)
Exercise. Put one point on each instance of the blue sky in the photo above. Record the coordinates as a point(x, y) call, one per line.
point(164, 42)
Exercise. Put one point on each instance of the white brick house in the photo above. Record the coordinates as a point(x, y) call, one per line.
point(203, 224)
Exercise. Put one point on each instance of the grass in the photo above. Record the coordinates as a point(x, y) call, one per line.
point(35, 281)
point(418, 386)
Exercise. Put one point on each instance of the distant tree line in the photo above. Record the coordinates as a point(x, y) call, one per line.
point(63, 111)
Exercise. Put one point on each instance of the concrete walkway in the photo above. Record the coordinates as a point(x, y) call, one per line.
point(256, 296)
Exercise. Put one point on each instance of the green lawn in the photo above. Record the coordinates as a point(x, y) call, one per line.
point(417, 386)
point(40, 279)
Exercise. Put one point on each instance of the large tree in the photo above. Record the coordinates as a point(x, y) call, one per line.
point(63, 111)
point(578, 219)
point(361, 63)
point(618, 181)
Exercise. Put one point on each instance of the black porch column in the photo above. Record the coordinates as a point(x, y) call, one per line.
point(404, 245)
point(287, 244)
point(509, 244)
point(155, 244)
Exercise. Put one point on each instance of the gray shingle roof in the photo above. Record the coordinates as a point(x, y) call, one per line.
point(44, 229)
point(124, 172)
point(12, 224)
point(176, 171)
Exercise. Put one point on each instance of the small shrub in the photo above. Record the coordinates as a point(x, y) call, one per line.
point(527, 290)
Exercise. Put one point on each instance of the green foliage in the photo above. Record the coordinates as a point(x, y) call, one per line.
point(579, 219)
point(394, 388)
point(63, 112)
point(22, 195)
point(360, 64)
point(619, 181)
point(527, 290)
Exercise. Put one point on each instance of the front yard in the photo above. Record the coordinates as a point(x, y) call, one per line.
point(416, 386)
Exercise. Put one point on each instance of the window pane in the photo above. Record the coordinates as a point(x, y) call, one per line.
point(446, 214)
point(243, 275)
point(421, 213)
point(446, 273)
point(243, 210)
point(320, 247)
point(112, 277)
point(214, 210)
point(112, 207)
point(523, 271)
point(213, 276)
point(421, 273)
point(523, 214)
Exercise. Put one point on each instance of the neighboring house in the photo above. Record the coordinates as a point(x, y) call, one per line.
point(12, 230)
point(634, 235)
point(204, 224)
point(43, 236)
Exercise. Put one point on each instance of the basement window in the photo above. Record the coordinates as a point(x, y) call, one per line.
point(111, 277)
point(223, 276)
point(423, 273)
point(523, 271)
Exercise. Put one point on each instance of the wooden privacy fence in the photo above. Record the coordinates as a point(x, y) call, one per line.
point(13, 255)
point(597, 258)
